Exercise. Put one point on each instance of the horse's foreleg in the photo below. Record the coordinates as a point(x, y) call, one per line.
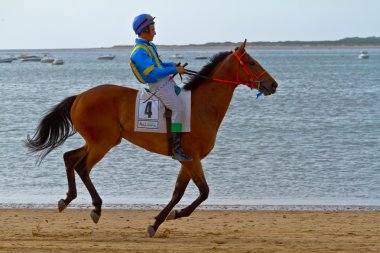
point(196, 172)
point(71, 158)
point(180, 187)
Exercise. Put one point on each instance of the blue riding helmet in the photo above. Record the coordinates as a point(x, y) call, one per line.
point(142, 21)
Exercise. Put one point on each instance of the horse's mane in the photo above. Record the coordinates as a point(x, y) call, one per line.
point(195, 81)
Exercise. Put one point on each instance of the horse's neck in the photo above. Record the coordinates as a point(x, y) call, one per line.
point(214, 98)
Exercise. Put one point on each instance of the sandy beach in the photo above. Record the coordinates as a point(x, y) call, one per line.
point(46, 230)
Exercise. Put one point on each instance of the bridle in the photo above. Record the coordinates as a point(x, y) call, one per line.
point(252, 77)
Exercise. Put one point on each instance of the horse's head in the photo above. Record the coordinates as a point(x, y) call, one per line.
point(251, 73)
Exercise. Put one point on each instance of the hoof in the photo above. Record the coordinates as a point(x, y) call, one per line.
point(172, 215)
point(61, 205)
point(95, 217)
point(151, 231)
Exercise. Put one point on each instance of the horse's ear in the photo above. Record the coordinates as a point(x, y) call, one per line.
point(242, 46)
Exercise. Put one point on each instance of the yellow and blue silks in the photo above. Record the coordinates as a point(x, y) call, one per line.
point(146, 65)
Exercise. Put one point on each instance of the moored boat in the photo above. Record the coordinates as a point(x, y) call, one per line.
point(363, 55)
point(31, 58)
point(47, 59)
point(176, 56)
point(6, 60)
point(58, 62)
point(106, 57)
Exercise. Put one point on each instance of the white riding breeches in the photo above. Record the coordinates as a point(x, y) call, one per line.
point(166, 93)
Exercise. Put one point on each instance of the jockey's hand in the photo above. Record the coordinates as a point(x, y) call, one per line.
point(180, 70)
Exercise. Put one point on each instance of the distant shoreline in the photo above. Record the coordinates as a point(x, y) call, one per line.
point(346, 43)
point(354, 42)
point(172, 47)
point(204, 47)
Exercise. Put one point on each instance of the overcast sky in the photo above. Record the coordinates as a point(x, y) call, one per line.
point(44, 24)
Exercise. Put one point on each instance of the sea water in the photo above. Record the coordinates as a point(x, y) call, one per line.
point(315, 142)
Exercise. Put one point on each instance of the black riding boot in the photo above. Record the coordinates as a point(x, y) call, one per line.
point(177, 150)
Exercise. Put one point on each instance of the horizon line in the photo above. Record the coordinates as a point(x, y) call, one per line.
point(359, 41)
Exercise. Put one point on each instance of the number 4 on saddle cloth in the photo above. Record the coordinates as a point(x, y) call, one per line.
point(150, 114)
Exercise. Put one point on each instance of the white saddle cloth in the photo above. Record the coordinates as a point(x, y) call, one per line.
point(150, 115)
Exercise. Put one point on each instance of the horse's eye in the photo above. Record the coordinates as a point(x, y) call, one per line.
point(252, 63)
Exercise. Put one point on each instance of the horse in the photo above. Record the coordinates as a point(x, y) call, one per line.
point(105, 114)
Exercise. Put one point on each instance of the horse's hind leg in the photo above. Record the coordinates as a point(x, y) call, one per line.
point(180, 187)
point(71, 158)
point(84, 167)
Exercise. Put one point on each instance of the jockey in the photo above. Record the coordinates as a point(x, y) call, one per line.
point(148, 68)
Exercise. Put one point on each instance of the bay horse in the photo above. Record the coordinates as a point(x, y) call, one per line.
point(105, 114)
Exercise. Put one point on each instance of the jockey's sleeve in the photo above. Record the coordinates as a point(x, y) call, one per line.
point(158, 73)
point(167, 64)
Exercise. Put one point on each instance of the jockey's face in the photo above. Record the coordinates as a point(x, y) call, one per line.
point(149, 35)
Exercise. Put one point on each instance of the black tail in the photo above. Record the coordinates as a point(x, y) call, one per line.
point(54, 128)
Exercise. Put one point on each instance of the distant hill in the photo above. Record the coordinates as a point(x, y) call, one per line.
point(346, 42)
point(354, 41)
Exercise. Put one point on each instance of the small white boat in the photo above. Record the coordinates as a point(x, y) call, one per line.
point(57, 62)
point(31, 59)
point(47, 59)
point(176, 56)
point(106, 57)
point(363, 55)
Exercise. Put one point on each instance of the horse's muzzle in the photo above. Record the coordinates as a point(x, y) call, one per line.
point(268, 88)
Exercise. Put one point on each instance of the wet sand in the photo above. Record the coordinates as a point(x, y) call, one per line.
point(46, 230)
